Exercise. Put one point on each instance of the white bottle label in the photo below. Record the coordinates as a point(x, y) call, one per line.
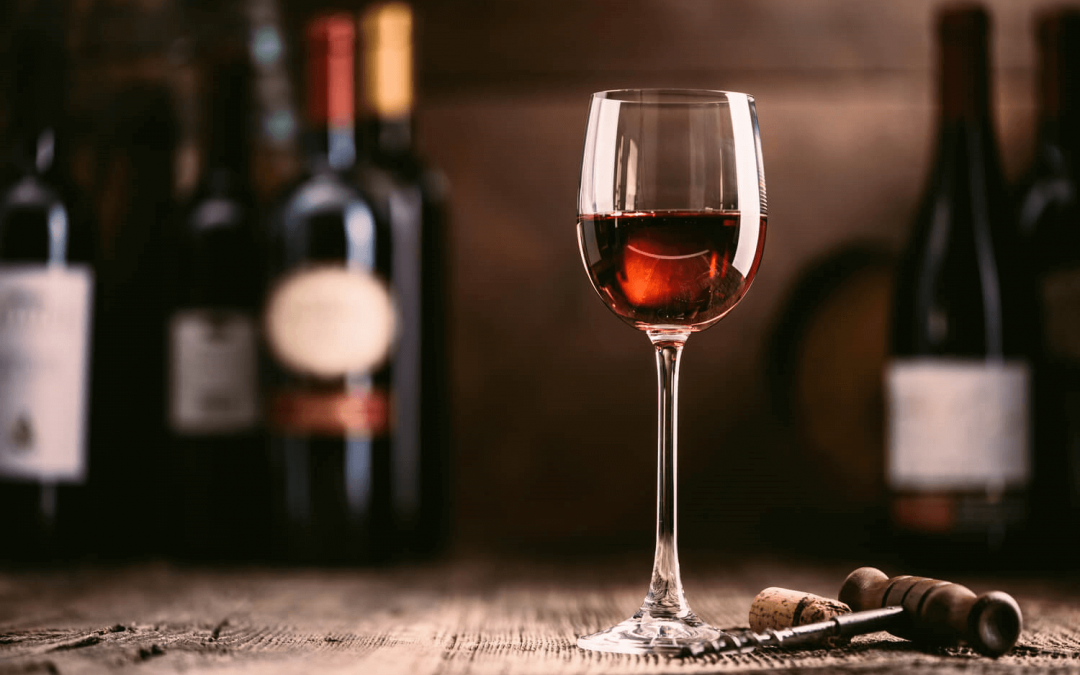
point(213, 379)
point(330, 321)
point(44, 371)
point(958, 425)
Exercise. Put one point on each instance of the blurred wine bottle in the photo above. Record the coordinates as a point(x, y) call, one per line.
point(1050, 225)
point(411, 198)
point(46, 288)
point(957, 386)
point(329, 323)
point(218, 464)
point(130, 56)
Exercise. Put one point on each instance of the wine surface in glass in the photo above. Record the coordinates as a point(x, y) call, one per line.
point(683, 269)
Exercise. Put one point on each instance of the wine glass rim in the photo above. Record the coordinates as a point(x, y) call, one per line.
point(654, 96)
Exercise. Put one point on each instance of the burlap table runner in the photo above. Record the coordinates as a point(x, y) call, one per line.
point(463, 617)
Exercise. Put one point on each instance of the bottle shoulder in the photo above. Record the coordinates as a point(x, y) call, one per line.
point(966, 196)
point(39, 220)
point(319, 189)
point(416, 181)
point(1047, 199)
point(328, 207)
point(30, 192)
point(963, 287)
point(212, 207)
point(23, 184)
point(435, 184)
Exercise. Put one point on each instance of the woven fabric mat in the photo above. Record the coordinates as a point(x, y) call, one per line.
point(464, 617)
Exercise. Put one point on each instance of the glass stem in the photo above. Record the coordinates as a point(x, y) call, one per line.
point(666, 598)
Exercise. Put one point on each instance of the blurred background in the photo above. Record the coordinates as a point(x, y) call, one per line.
point(553, 398)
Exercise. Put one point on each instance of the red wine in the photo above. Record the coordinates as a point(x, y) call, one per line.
point(671, 268)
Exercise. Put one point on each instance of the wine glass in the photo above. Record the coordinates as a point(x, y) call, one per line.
point(671, 227)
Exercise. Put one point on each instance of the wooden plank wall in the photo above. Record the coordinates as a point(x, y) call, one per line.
point(555, 397)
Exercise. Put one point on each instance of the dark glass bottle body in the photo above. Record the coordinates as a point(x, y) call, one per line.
point(1049, 222)
point(46, 291)
point(328, 321)
point(331, 477)
point(958, 382)
point(131, 132)
point(219, 475)
point(411, 198)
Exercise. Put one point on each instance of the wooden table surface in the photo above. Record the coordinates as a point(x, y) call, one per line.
point(469, 616)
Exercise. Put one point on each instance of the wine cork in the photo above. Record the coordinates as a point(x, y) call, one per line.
point(778, 608)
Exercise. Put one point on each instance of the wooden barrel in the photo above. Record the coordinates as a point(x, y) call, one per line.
point(827, 353)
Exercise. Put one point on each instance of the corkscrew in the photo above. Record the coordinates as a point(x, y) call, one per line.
point(927, 611)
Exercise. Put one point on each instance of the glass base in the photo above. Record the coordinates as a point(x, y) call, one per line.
point(646, 634)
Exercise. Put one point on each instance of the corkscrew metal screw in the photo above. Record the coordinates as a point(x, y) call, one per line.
point(799, 637)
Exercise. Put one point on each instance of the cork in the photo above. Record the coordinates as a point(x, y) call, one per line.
point(778, 608)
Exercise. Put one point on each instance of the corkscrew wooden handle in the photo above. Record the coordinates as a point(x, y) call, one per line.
point(936, 611)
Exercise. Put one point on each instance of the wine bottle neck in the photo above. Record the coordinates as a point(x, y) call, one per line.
point(331, 147)
point(38, 87)
point(967, 130)
point(1059, 81)
point(229, 155)
point(35, 149)
point(228, 146)
point(965, 76)
point(386, 78)
point(331, 41)
point(965, 141)
point(387, 138)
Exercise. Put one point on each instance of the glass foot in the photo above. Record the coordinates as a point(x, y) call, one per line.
point(646, 634)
